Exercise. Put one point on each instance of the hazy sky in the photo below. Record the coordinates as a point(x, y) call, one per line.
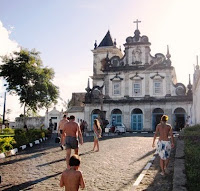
point(65, 31)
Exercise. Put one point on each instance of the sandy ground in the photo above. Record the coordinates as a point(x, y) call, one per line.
point(114, 168)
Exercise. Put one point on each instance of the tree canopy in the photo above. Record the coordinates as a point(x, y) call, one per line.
point(27, 78)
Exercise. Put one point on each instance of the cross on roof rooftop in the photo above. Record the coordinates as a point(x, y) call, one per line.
point(137, 23)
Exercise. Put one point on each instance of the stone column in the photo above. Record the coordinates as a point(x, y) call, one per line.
point(127, 116)
point(147, 119)
point(126, 84)
point(147, 84)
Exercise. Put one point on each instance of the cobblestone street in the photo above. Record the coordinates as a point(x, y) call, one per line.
point(115, 167)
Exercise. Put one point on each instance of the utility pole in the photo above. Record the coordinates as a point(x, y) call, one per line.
point(4, 109)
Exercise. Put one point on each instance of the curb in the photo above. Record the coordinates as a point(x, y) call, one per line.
point(144, 171)
point(23, 147)
point(107, 134)
point(179, 177)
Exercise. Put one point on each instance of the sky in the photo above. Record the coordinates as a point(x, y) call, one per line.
point(65, 32)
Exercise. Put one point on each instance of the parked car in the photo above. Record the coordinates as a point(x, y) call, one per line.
point(120, 128)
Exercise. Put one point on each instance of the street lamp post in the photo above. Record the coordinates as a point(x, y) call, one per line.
point(4, 109)
point(24, 117)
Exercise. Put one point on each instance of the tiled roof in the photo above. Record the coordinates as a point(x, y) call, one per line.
point(75, 109)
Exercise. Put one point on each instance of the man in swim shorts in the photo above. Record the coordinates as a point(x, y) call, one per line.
point(72, 131)
point(60, 130)
point(164, 130)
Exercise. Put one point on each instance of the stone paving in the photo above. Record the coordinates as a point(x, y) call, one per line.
point(115, 167)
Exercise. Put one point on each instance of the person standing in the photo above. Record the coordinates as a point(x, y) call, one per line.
point(82, 126)
point(72, 132)
point(164, 130)
point(60, 130)
point(97, 134)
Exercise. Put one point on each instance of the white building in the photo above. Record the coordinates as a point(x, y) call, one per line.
point(196, 95)
point(134, 87)
point(53, 116)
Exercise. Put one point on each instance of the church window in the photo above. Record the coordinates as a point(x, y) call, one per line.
point(137, 88)
point(116, 88)
point(157, 87)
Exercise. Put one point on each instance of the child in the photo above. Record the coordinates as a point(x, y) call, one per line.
point(72, 178)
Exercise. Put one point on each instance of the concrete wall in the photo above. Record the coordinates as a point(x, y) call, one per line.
point(31, 122)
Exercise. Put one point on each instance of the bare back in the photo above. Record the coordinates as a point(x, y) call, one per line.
point(71, 129)
point(164, 129)
point(62, 123)
point(71, 179)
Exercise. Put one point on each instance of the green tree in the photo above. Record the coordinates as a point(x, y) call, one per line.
point(27, 78)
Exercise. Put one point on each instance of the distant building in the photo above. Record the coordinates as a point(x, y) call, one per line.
point(134, 87)
point(76, 106)
point(53, 116)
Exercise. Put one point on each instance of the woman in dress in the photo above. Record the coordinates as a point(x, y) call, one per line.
point(97, 134)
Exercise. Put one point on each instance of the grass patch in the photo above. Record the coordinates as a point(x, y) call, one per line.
point(192, 157)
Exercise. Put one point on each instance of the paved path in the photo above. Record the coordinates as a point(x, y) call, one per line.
point(115, 167)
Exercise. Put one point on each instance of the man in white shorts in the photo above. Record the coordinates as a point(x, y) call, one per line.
point(164, 130)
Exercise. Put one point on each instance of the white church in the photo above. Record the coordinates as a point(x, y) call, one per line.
point(135, 88)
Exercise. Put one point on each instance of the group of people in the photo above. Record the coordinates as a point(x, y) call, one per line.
point(71, 135)
point(70, 131)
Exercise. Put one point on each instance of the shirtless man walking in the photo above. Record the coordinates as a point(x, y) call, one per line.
point(164, 145)
point(60, 130)
point(72, 131)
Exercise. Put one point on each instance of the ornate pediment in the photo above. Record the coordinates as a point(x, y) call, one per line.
point(157, 76)
point(116, 78)
point(136, 77)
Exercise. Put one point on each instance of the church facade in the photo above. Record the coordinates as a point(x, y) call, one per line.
point(135, 88)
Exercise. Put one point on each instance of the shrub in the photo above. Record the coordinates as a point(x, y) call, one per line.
point(6, 144)
point(24, 137)
point(192, 156)
point(20, 137)
point(7, 131)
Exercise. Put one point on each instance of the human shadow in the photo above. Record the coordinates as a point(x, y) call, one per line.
point(30, 183)
point(85, 153)
point(147, 154)
point(22, 159)
point(48, 163)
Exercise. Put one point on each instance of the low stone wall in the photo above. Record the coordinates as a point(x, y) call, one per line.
point(31, 122)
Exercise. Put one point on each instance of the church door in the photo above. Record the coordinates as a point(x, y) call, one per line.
point(137, 122)
point(156, 117)
point(94, 116)
point(116, 119)
point(179, 118)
